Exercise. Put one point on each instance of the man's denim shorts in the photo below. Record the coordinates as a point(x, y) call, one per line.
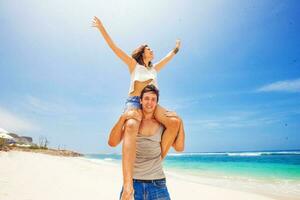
point(132, 102)
point(150, 190)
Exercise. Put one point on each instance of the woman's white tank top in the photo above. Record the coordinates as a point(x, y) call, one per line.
point(141, 73)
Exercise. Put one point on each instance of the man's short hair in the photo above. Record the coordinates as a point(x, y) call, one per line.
point(150, 88)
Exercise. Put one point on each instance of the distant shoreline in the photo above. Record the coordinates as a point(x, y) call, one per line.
point(54, 152)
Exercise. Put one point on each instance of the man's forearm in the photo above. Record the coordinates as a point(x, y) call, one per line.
point(116, 133)
point(179, 141)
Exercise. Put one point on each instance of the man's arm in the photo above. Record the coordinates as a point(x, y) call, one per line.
point(116, 134)
point(178, 144)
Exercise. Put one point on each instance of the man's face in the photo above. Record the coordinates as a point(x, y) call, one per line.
point(149, 102)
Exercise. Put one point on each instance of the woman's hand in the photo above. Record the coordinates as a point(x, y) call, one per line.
point(96, 22)
point(176, 49)
point(130, 62)
point(178, 43)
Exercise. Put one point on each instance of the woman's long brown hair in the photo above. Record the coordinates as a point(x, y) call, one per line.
point(137, 54)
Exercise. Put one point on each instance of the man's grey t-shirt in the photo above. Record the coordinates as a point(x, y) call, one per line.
point(148, 163)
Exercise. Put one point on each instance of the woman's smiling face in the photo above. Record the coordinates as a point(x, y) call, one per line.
point(148, 53)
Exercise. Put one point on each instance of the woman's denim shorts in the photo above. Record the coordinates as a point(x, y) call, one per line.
point(132, 102)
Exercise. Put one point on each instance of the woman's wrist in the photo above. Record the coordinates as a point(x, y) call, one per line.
point(175, 50)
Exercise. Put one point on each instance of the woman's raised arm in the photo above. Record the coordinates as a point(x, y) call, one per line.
point(158, 66)
point(119, 52)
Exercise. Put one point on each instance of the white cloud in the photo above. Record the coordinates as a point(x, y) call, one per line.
point(282, 86)
point(44, 107)
point(65, 108)
point(13, 123)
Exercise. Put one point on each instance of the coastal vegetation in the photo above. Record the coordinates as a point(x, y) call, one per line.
point(12, 141)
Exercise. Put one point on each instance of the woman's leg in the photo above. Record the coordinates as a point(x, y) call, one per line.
point(117, 132)
point(128, 155)
point(172, 124)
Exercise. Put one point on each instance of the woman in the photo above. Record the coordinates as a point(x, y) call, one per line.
point(143, 73)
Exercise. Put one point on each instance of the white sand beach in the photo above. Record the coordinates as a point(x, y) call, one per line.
point(35, 176)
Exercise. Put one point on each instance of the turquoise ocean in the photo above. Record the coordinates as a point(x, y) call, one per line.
point(273, 173)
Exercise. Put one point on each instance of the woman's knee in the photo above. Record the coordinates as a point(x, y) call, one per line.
point(132, 125)
point(173, 122)
point(134, 114)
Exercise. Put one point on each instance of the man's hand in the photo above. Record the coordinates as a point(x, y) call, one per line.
point(128, 191)
point(171, 114)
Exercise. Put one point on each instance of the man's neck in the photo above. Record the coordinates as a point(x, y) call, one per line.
point(148, 115)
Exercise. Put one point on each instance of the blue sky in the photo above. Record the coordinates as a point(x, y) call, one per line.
point(235, 81)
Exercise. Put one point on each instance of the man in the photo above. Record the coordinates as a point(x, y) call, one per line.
point(148, 177)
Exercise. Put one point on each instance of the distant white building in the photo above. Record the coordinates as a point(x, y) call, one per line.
point(23, 141)
point(6, 136)
point(3, 130)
